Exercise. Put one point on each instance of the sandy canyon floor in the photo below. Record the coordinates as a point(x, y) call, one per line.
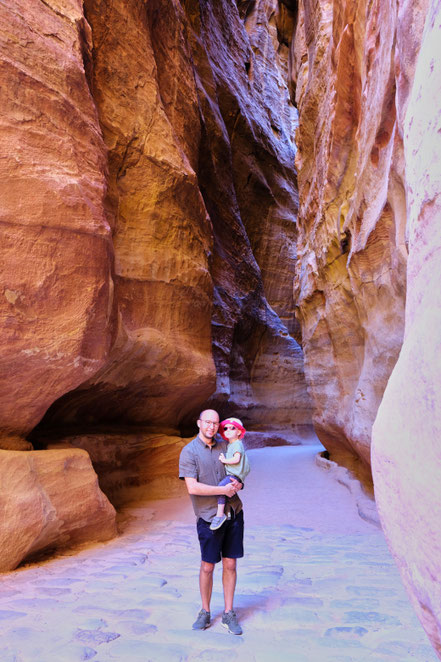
point(317, 584)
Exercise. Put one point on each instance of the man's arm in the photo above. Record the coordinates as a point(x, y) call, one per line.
point(201, 489)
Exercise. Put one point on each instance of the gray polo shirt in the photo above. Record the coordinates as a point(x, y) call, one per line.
point(197, 460)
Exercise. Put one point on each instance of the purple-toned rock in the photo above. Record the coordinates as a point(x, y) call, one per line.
point(406, 435)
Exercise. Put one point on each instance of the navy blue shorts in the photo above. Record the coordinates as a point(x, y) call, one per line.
point(224, 542)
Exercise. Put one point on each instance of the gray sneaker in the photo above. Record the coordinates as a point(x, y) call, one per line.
point(217, 522)
point(202, 621)
point(229, 621)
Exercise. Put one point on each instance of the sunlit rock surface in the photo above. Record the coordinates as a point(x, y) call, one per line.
point(56, 297)
point(407, 431)
point(195, 112)
point(49, 500)
point(351, 271)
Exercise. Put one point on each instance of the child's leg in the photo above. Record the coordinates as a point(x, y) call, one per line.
point(222, 499)
point(220, 518)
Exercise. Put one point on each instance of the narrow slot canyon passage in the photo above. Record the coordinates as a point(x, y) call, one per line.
point(316, 583)
point(228, 205)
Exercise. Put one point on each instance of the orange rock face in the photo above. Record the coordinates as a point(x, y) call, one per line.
point(149, 221)
point(352, 252)
point(203, 196)
point(48, 500)
point(56, 297)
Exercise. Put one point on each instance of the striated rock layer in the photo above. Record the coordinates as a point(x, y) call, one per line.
point(56, 322)
point(131, 464)
point(406, 434)
point(350, 276)
point(247, 179)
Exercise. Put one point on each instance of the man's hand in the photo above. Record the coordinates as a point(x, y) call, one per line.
point(232, 488)
point(201, 489)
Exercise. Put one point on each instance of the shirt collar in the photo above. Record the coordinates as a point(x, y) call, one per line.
point(216, 441)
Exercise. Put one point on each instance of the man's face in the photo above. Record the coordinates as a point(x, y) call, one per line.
point(208, 423)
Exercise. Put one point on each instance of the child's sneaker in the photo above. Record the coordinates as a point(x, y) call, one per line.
point(217, 522)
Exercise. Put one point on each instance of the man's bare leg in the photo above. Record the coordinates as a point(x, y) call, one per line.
point(229, 575)
point(206, 583)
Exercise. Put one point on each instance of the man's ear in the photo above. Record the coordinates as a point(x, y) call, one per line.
point(198, 424)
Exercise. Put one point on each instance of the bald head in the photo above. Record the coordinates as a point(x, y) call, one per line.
point(209, 413)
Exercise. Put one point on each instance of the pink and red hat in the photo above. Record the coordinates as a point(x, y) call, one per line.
point(232, 421)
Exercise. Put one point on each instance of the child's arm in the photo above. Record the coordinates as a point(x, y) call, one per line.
point(233, 460)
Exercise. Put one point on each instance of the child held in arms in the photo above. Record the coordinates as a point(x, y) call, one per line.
point(236, 463)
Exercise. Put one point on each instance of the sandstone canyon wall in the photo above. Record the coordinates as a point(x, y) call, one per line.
point(57, 291)
point(149, 205)
point(366, 78)
point(150, 238)
point(407, 432)
point(56, 304)
point(350, 277)
point(196, 117)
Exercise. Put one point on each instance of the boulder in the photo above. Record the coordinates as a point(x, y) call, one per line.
point(49, 500)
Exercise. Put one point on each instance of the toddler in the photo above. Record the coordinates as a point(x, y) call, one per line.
point(235, 461)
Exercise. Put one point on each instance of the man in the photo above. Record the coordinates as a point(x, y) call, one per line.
point(201, 469)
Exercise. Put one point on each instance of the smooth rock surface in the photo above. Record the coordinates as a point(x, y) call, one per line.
point(405, 452)
point(49, 500)
point(351, 272)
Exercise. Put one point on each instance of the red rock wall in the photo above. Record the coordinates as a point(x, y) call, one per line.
point(57, 289)
point(149, 222)
point(367, 85)
point(351, 273)
point(161, 361)
point(196, 116)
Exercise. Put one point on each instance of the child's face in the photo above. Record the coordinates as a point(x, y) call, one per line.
point(231, 433)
